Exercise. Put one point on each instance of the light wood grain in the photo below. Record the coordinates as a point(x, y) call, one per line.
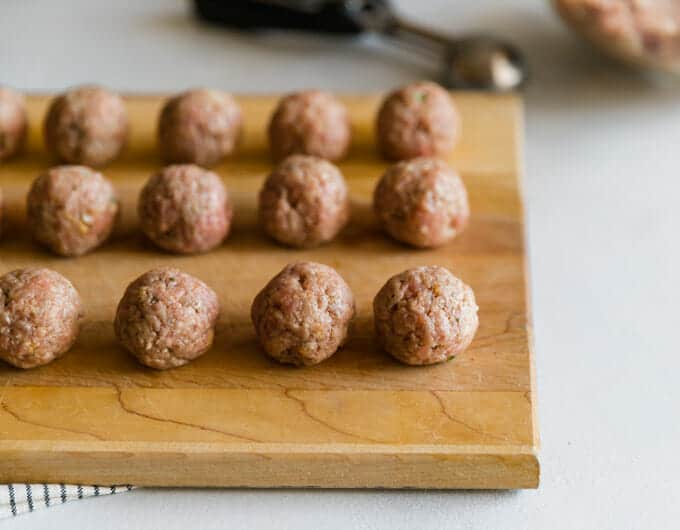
point(235, 418)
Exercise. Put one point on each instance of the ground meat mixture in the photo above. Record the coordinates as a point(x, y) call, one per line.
point(302, 315)
point(417, 120)
point(199, 127)
point(72, 209)
point(86, 125)
point(422, 202)
point(13, 122)
point(185, 209)
point(304, 202)
point(310, 123)
point(166, 318)
point(642, 31)
point(40, 313)
point(425, 315)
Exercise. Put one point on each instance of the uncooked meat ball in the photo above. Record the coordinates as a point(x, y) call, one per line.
point(425, 315)
point(302, 315)
point(166, 318)
point(13, 122)
point(86, 125)
point(72, 209)
point(185, 209)
point(40, 314)
point(422, 202)
point(417, 120)
point(199, 127)
point(310, 123)
point(304, 202)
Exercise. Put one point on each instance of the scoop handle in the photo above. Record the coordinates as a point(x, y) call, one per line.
point(320, 16)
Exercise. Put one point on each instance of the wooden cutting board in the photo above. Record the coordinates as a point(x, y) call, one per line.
point(235, 418)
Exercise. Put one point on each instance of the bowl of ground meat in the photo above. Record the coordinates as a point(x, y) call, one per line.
point(645, 33)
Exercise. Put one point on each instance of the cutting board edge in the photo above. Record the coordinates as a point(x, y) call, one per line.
point(515, 468)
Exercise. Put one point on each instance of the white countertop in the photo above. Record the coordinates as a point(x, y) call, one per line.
point(603, 194)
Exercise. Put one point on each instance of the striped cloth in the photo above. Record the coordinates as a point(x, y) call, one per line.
point(16, 499)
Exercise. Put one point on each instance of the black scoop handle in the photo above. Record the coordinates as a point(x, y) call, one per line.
point(320, 16)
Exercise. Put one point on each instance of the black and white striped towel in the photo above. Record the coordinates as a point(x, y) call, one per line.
point(16, 499)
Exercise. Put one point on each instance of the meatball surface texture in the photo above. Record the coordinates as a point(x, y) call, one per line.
point(420, 119)
point(304, 202)
point(166, 318)
point(422, 202)
point(425, 315)
point(13, 122)
point(302, 315)
point(199, 127)
point(310, 123)
point(86, 125)
point(185, 209)
point(40, 313)
point(72, 209)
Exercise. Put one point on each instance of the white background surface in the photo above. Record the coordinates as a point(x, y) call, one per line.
point(603, 189)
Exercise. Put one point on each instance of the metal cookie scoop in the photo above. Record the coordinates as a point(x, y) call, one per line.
point(475, 62)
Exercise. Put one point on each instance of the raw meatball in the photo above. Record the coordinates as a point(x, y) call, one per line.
point(302, 315)
point(13, 122)
point(86, 125)
point(417, 120)
point(185, 209)
point(425, 315)
point(72, 209)
point(310, 123)
point(40, 314)
point(304, 202)
point(199, 127)
point(422, 202)
point(166, 318)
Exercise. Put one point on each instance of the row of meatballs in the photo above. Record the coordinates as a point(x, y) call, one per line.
point(89, 125)
point(166, 318)
point(303, 203)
